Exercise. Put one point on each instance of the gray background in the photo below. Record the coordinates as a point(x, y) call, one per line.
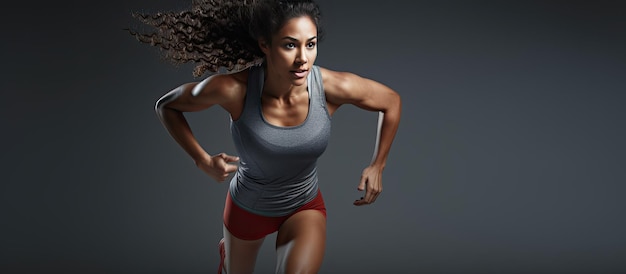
point(509, 157)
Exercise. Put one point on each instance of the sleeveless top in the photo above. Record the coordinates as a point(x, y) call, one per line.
point(277, 165)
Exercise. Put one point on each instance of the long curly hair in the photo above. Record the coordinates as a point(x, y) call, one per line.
point(216, 34)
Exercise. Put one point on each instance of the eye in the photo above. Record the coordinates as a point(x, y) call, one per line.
point(310, 45)
point(290, 46)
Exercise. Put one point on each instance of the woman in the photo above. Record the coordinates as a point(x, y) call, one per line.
point(280, 105)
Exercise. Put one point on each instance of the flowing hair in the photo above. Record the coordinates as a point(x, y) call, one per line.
point(216, 34)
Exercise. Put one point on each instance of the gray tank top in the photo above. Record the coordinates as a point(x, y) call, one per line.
point(277, 165)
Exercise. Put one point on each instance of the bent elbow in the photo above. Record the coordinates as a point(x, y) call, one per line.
point(395, 103)
point(166, 99)
point(160, 104)
point(398, 102)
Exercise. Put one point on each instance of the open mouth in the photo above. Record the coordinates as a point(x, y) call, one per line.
point(300, 73)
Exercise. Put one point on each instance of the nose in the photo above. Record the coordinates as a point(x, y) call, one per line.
point(301, 57)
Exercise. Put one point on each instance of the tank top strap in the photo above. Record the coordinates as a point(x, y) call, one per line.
point(316, 87)
point(256, 77)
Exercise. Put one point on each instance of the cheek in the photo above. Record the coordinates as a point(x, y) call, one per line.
point(279, 54)
point(312, 55)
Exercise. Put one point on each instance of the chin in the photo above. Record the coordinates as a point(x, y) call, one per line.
point(299, 82)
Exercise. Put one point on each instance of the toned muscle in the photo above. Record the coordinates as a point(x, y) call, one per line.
point(348, 88)
point(284, 112)
point(235, 93)
point(225, 90)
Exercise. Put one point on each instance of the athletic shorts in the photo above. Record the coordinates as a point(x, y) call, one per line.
point(249, 226)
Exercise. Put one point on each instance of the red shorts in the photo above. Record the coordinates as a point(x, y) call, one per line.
point(249, 226)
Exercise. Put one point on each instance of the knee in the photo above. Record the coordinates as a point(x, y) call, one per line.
point(300, 266)
point(300, 243)
point(300, 257)
point(298, 271)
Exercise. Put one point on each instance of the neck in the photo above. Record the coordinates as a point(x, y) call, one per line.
point(277, 87)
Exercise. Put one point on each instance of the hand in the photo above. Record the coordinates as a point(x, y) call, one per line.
point(217, 166)
point(371, 182)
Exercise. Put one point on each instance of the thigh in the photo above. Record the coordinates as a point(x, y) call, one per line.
point(240, 254)
point(246, 225)
point(244, 233)
point(300, 242)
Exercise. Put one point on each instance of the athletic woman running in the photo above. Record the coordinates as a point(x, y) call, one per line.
point(280, 104)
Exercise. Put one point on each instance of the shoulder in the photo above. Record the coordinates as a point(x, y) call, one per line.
point(227, 90)
point(349, 88)
point(339, 84)
point(224, 84)
point(334, 79)
point(223, 87)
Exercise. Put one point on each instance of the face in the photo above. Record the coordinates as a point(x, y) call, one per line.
point(292, 51)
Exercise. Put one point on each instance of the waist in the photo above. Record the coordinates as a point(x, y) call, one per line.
point(277, 198)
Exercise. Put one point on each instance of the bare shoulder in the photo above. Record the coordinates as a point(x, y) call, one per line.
point(226, 90)
point(336, 81)
point(340, 86)
point(349, 88)
point(223, 88)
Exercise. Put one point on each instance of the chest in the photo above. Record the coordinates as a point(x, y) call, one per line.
point(287, 112)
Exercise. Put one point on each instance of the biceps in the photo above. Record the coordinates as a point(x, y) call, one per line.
point(183, 99)
point(374, 96)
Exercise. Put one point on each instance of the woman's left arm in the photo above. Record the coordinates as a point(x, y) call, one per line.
point(348, 88)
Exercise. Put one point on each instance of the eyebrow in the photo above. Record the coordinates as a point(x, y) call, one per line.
point(294, 39)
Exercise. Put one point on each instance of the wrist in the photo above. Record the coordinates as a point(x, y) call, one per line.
point(378, 165)
point(201, 158)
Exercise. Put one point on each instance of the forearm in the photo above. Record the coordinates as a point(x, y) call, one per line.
point(178, 127)
point(388, 122)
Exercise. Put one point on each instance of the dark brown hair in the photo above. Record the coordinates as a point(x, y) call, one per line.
point(217, 34)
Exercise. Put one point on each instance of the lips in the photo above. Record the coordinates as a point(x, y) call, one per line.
point(300, 73)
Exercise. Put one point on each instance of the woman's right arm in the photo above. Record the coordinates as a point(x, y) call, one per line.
point(217, 89)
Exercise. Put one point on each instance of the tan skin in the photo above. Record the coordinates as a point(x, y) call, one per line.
point(290, 54)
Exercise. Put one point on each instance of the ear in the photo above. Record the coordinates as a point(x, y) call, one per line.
point(264, 45)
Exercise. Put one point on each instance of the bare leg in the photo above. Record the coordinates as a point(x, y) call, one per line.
point(300, 243)
point(240, 254)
